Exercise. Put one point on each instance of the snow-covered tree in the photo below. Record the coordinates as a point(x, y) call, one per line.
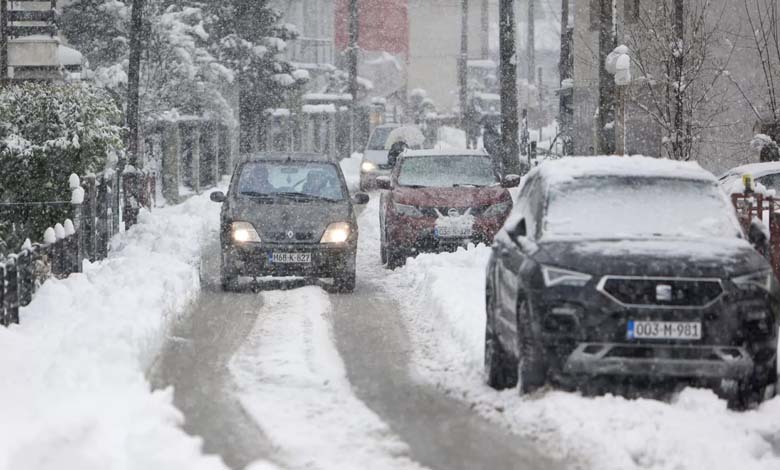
point(682, 56)
point(763, 17)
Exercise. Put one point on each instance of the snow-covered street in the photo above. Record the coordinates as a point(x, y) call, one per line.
point(388, 377)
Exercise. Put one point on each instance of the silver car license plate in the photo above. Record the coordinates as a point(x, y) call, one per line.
point(663, 330)
point(290, 258)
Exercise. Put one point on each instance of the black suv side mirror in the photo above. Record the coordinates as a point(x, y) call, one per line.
point(511, 181)
point(218, 196)
point(360, 198)
point(384, 182)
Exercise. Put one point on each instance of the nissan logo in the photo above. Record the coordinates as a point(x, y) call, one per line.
point(453, 212)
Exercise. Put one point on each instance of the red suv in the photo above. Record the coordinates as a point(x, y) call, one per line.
point(439, 200)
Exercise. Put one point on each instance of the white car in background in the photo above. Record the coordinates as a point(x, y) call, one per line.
point(374, 162)
point(767, 175)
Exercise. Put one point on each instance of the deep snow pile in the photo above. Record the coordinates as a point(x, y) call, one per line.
point(695, 431)
point(292, 380)
point(73, 391)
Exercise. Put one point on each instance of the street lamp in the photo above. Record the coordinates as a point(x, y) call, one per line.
point(618, 63)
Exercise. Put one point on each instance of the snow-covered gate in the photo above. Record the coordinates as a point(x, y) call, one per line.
point(755, 206)
point(99, 207)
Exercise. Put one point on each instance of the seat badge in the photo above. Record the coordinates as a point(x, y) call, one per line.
point(663, 293)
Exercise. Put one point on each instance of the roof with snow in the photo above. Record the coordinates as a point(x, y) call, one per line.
point(757, 170)
point(570, 168)
point(445, 153)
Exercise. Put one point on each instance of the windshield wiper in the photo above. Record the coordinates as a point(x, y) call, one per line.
point(296, 195)
point(256, 194)
point(466, 185)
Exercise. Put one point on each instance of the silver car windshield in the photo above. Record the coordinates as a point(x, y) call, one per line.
point(623, 207)
point(447, 171)
point(294, 179)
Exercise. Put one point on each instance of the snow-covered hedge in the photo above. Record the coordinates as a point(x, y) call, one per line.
point(49, 132)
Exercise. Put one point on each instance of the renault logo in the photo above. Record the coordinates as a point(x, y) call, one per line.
point(453, 212)
point(290, 234)
point(663, 293)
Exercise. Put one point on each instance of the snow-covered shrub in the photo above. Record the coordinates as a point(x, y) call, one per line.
point(48, 132)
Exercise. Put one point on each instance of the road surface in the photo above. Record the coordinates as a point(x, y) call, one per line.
point(438, 431)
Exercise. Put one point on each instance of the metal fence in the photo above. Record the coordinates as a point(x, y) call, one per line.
point(99, 206)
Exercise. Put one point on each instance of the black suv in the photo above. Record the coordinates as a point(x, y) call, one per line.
point(617, 270)
point(288, 214)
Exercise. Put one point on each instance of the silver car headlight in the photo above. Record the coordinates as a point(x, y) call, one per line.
point(244, 232)
point(498, 209)
point(759, 279)
point(368, 167)
point(407, 210)
point(337, 232)
point(563, 277)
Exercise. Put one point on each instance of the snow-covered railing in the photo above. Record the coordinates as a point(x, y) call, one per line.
point(96, 213)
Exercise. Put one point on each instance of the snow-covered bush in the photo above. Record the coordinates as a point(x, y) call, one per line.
point(48, 132)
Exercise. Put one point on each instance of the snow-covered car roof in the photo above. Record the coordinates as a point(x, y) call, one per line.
point(443, 153)
point(569, 168)
point(757, 170)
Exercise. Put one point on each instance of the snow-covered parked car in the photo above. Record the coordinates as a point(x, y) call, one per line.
point(766, 177)
point(288, 214)
point(629, 270)
point(374, 161)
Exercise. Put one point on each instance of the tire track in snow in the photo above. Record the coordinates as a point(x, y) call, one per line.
point(293, 382)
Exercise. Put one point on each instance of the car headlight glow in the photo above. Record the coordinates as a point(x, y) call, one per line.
point(498, 209)
point(563, 277)
point(407, 210)
point(760, 279)
point(337, 232)
point(367, 167)
point(244, 232)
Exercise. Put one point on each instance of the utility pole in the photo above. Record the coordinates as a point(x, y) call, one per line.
point(510, 155)
point(531, 43)
point(463, 60)
point(679, 64)
point(485, 28)
point(3, 42)
point(352, 65)
point(133, 84)
point(606, 110)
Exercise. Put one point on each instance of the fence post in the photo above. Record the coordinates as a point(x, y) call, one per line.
point(170, 162)
point(103, 219)
point(3, 309)
point(60, 258)
point(89, 213)
point(26, 274)
point(76, 200)
point(215, 142)
point(196, 155)
point(12, 290)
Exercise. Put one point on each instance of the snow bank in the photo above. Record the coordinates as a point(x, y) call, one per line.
point(695, 431)
point(351, 168)
point(293, 381)
point(73, 391)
